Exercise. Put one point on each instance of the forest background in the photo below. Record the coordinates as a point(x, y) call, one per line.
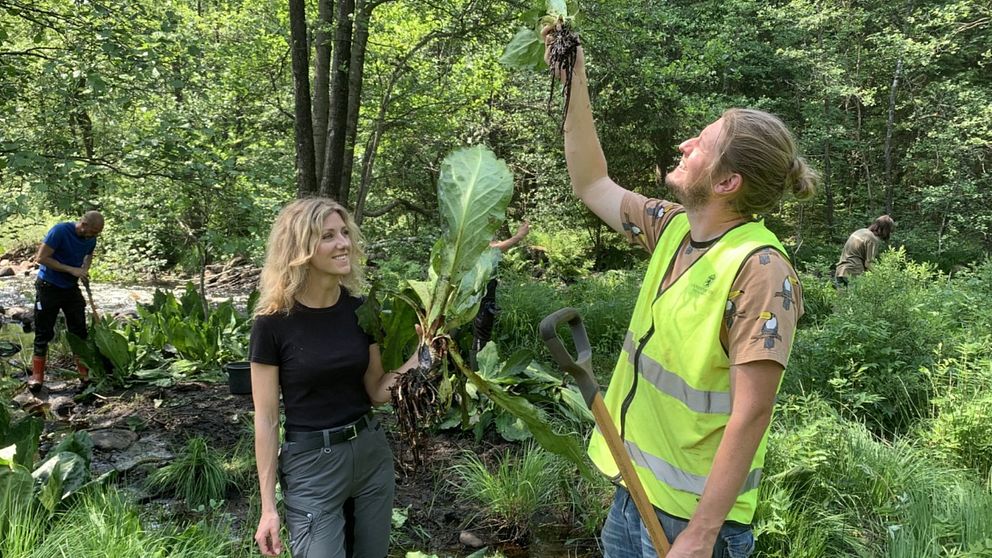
point(177, 118)
point(190, 123)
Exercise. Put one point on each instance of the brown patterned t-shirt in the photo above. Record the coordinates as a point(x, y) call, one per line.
point(765, 301)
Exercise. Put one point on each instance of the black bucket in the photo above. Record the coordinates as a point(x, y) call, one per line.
point(239, 377)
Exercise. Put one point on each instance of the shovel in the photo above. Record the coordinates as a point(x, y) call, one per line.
point(581, 370)
point(89, 296)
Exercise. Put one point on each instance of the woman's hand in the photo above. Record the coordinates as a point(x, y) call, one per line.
point(414, 360)
point(267, 535)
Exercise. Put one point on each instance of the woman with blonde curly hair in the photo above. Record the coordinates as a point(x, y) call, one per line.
point(307, 346)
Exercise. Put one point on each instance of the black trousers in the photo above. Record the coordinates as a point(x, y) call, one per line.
point(482, 327)
point(49, 300)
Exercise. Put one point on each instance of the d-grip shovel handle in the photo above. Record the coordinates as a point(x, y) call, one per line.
point(580, 367)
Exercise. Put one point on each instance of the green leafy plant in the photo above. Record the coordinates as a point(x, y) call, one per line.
point(112, 352)
point(511, 494)
point(526, 378)
point(201, 336)
point(474, 189)
point(867, 355)
point(960, 429)
point(526, 50)
point(197, 476)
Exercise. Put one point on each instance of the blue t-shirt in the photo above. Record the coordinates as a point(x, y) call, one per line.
point(70, 249)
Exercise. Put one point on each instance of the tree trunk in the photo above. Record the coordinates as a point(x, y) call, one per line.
point(828, 190)
point(80, 119)
point(363, 12)
point(889, 181)
point(338, 114)
point(306, 176)
point(321, 82)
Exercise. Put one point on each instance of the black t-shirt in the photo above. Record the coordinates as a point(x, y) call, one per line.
point(322, 355)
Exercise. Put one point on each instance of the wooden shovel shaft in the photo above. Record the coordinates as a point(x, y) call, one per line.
point(648, 516)
point(89, 296)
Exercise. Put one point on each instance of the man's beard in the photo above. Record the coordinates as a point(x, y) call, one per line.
point(692, 196)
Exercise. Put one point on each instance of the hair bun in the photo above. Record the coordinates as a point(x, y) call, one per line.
point(801, 179)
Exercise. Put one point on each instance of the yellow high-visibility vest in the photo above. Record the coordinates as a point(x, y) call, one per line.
point(675, 416)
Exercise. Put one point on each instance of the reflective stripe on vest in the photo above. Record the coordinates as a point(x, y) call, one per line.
point(717, 402)
point(676, 416)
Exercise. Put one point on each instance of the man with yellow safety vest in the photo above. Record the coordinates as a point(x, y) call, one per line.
point(693, 391)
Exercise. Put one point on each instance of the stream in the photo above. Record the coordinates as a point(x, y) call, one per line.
point(109, 298)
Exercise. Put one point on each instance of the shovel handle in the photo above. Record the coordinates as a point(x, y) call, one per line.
point(580, 367)
point(89, 295)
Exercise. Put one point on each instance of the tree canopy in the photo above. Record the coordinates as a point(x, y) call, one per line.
point(176, 117)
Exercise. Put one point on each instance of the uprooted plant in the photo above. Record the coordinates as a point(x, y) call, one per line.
point(526, 49)
point(474, 189)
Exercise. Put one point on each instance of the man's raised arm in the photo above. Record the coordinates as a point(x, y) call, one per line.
point(583, 153)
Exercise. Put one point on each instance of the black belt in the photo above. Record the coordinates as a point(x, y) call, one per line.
point(306, 441)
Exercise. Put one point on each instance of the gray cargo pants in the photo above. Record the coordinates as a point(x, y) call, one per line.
point(316, 483)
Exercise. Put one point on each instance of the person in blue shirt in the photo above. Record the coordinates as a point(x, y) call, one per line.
point(64, 256)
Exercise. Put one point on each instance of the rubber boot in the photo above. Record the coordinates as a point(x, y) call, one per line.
point(37, 373)
point(84, 373)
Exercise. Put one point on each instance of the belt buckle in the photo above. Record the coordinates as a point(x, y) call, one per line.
point(352, 432)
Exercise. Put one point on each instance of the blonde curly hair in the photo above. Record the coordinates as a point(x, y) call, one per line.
point(292, 242)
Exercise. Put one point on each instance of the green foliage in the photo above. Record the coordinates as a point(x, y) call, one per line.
point(568, 252)
point(867, 356)
point(23, 520)
point(532, 417)
point(473, 191)
point(198, 333)
point(525, 51)
point(830, 484)
point(59, 476)
point(966, 300)
point(590, 500)
point(111, 352)
point(960, 430)
point(514, 490)
point(819, 296)
point(605, 301)
point(526, 378)
point(23, 434)
point(197, 477)
point(103, 523)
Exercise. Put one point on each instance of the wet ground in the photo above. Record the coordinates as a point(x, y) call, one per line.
point(109, 298)
point(139, 430)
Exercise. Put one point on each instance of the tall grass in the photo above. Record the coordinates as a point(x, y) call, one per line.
point(197, 476)
point(23, 523)
point(101, 524)
point(512, 493)
point(832, 484)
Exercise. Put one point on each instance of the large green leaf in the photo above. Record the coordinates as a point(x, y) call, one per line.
point(557, 7)
point(16, 488)
point(473, 191)
point(390, 323)
point(114, 346)
point(525, 51)
point(87, 352)
point(79, 442)
point(24, 435)
point(465, 300)
point(59, 476)
point(534, 418)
